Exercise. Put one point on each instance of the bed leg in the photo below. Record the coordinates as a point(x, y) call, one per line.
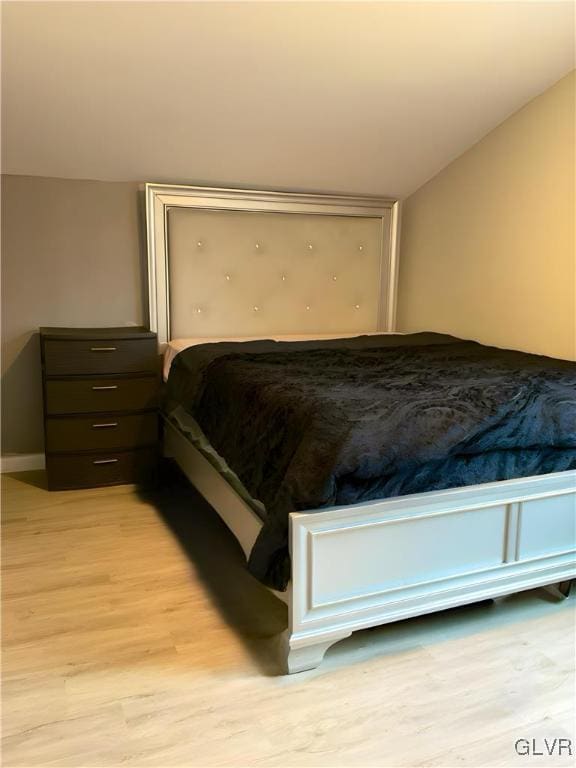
point(561, 590)
point(298, 657)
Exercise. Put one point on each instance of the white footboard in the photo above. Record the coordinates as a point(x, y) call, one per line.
point(355, 567)
point(369, 564)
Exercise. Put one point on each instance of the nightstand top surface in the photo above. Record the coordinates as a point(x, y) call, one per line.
point(79, 334)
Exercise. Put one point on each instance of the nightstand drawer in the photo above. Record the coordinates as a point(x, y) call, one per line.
point(67, 471)
point(100, 356)
point(97, 433)
point(101, 395)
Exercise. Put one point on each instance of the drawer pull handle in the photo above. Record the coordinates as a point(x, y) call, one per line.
point(109, 386)
point(104, 461)
point(102, 426)
point(103, 349)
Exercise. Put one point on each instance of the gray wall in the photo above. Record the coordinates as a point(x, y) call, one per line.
point(72, 254)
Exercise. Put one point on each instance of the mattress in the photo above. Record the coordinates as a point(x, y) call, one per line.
point(306, 425)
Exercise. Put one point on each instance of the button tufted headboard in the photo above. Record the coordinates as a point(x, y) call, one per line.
point(244, 263)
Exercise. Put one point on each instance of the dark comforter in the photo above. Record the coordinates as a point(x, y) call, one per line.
point(307, 425)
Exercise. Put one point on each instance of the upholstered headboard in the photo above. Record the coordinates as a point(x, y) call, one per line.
point(244, 263)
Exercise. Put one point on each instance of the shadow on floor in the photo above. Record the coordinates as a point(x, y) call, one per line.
point(36, 478)
point(246, 605)
point(440, 626)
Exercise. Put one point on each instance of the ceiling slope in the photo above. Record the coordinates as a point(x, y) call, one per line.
point(352, 97)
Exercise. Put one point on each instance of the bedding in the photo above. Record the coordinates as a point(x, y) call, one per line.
point(175, 346)
point(189, 427)
point(312, 424)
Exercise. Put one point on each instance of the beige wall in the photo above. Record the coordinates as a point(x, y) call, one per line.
point(488, 248)
point(71, 255)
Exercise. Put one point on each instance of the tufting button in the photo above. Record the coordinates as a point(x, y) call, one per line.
point(334, 277)
point(310, 247)
point(360, 247)
point(308, 307)
point(228, 277)
point(283, 277)
point(356, 306)
point(256, 308)
point(200, 244)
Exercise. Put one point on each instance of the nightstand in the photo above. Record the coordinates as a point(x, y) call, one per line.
point(101, 397)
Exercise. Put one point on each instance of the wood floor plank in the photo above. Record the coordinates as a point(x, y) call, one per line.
point(133, 635)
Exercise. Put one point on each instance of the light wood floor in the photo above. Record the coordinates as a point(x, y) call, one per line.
point(133, 636)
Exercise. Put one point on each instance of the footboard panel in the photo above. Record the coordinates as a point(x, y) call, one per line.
point(355, 567)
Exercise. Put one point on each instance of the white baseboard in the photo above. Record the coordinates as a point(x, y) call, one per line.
point(22, 462)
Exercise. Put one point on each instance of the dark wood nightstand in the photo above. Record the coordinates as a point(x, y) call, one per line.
point(101, 396)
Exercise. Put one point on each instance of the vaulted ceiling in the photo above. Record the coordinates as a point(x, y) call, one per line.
point(354, 97)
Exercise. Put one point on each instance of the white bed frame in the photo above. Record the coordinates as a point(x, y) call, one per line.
point(363, 565)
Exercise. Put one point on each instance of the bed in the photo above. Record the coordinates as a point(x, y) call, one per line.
point(275, 285)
